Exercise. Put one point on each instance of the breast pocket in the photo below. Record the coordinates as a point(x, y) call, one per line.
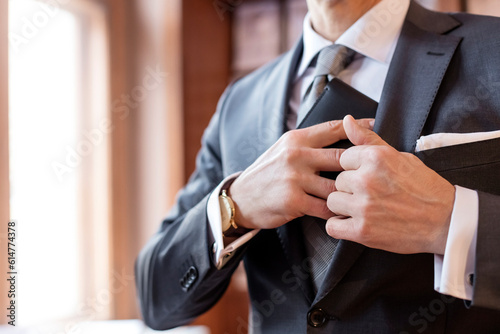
point(473, 165)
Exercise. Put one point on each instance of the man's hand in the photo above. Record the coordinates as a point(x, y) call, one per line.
point(284, 182)
point(389, 200)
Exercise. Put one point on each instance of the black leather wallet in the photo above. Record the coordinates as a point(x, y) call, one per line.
point(337, 100)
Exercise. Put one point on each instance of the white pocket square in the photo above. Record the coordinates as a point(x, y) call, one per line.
point(437, 140)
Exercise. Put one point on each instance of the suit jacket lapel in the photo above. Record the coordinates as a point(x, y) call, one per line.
point(420, 61)
point(272, 124)
point(346, 254)
point(292, 241)
point(276, 97)
point(264, 119)
point(419, 64)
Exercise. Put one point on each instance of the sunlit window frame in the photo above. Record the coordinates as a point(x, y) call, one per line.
point(95, 181)
point(94, 199)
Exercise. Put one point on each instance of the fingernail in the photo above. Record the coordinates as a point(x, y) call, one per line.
point(372, 123)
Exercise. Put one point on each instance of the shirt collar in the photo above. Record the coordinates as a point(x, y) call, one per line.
point(374, 35)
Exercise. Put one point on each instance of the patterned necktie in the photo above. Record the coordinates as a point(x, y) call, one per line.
point(320, 247)
point(329, 63)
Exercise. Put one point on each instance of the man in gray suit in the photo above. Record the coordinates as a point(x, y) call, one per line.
point(410, 243)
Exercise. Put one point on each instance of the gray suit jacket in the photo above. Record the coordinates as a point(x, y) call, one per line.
point(444, 77)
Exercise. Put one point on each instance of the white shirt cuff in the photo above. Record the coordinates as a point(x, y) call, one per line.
point(223, 254)
point(452, 272)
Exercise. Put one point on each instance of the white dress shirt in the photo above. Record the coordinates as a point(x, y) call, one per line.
point(374, 37)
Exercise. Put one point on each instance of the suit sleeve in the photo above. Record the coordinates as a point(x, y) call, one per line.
point(487, 270)
point(176, 278)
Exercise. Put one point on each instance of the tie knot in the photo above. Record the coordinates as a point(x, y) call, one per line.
point(333, 59)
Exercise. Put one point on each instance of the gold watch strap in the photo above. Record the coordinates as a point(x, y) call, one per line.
point(234, 231)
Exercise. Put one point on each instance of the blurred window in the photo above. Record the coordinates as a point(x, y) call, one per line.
point(58, 82)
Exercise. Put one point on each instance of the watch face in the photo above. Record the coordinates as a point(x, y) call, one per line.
point(225, 212)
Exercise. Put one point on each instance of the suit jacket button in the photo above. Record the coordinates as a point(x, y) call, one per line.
point(192, 273)
point(189, 277)
point(316, 317)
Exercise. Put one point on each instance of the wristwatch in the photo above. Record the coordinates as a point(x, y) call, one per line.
point(229, 227)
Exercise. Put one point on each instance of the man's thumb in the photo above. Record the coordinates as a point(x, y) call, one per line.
point(359, 135)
